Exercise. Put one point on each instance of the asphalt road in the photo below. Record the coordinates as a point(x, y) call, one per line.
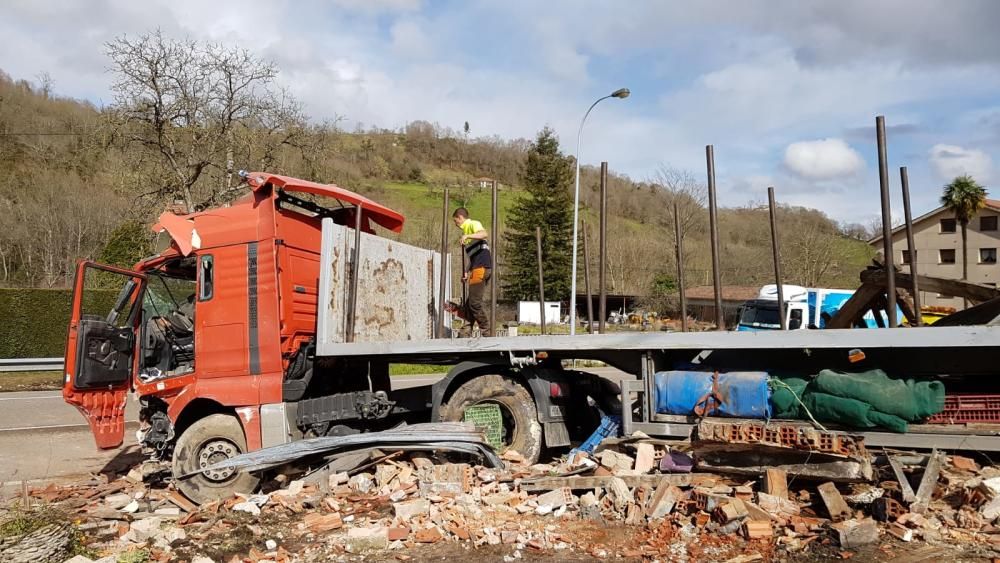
point(43, 438)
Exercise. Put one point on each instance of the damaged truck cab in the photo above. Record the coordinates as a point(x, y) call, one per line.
point(208, 332)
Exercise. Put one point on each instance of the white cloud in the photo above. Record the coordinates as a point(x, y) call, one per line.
point(825, 159)
point(378, 6)
point(952, 160)
point(410, 40)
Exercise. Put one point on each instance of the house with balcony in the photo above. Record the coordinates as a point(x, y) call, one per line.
point(937, 238)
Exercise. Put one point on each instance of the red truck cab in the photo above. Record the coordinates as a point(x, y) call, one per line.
point(205, 331)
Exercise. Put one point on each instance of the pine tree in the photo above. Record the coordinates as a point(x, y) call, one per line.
point(547, 203)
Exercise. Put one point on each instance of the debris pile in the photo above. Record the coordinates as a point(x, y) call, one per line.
point(635, 497)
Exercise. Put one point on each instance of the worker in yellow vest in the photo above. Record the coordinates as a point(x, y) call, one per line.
point(480, 261)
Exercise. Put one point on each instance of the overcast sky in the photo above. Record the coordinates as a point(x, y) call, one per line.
point(786, 91)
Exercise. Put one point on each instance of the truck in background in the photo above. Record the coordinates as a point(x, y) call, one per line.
point(805, 307)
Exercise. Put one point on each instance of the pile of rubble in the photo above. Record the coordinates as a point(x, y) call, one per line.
point(634, 498)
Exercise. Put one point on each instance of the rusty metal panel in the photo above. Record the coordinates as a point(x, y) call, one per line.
point(397, 289)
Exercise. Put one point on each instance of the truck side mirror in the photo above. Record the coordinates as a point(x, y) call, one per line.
point(795, 319)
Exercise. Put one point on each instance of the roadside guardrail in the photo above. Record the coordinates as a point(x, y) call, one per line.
point(31, 364)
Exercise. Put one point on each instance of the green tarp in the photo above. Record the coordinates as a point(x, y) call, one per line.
point(867, 399)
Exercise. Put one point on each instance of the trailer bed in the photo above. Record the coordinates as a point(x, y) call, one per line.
point(941, 351)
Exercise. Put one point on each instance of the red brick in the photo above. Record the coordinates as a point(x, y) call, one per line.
point(400, 533)
point(427, 535)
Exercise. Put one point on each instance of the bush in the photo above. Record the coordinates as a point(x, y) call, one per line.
point(34, 322)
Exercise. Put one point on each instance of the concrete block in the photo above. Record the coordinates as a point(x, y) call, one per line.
point(411, 508)
point(855, 533)
point(364, 540)
point(644, 458)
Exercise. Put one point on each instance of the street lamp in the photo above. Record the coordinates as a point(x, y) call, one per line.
point(620, 93)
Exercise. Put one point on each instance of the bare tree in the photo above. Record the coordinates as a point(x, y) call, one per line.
point(181, 102)
point(690, 195)
point(45, 83)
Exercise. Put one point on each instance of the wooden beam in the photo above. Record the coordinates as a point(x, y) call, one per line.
point(856, 306)
point(955, 288)
point(905, 302)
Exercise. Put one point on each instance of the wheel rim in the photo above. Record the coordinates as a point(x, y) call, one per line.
point(215, 451)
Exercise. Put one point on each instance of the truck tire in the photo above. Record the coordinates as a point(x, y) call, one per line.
point(212, 439)
point(522, 431)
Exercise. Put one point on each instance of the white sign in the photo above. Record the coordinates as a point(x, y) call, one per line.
point(529, 313)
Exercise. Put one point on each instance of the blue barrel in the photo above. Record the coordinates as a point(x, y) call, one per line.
point(744, 394)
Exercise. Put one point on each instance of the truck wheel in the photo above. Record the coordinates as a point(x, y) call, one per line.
point(521, 430)
point(210, 440)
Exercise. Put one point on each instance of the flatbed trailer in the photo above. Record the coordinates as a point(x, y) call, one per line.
point(963, 357)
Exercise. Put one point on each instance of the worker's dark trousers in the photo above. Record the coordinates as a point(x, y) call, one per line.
point(477, 306)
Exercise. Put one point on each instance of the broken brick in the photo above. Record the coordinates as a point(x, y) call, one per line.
point(399, 533)
point(512, 456)
point(835, 504)
point(730, 511)
point(323, 522)
point(459, 532)
point(427, 535)
point(964, 463)
point(757, 529)
point(900, 531)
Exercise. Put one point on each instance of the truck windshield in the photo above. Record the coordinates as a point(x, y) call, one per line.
point(168, 321)
point(760, 315)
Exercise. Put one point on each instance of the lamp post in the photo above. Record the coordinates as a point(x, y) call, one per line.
point(620, 93)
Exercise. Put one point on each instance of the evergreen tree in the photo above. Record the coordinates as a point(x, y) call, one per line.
point(547, 203)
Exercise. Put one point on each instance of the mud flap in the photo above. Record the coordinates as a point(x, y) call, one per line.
point(105, 413)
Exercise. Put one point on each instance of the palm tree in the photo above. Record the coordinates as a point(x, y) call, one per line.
point(964, 197)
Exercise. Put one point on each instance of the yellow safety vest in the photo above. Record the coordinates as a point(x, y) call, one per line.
point(471, 227)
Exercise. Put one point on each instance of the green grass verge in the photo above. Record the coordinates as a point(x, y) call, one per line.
point(416, 369)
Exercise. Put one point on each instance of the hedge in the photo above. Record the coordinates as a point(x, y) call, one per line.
point(34, 322)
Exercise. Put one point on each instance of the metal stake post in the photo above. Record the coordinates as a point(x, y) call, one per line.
point(352, 306)
point(494, 247)
point(713, 220)
point(443, 274)
point(905, 180)
point(541, 280)
point(586, 279)
point(602, 260)
point(777, 259)
point(680, 268)
point(883, 180)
